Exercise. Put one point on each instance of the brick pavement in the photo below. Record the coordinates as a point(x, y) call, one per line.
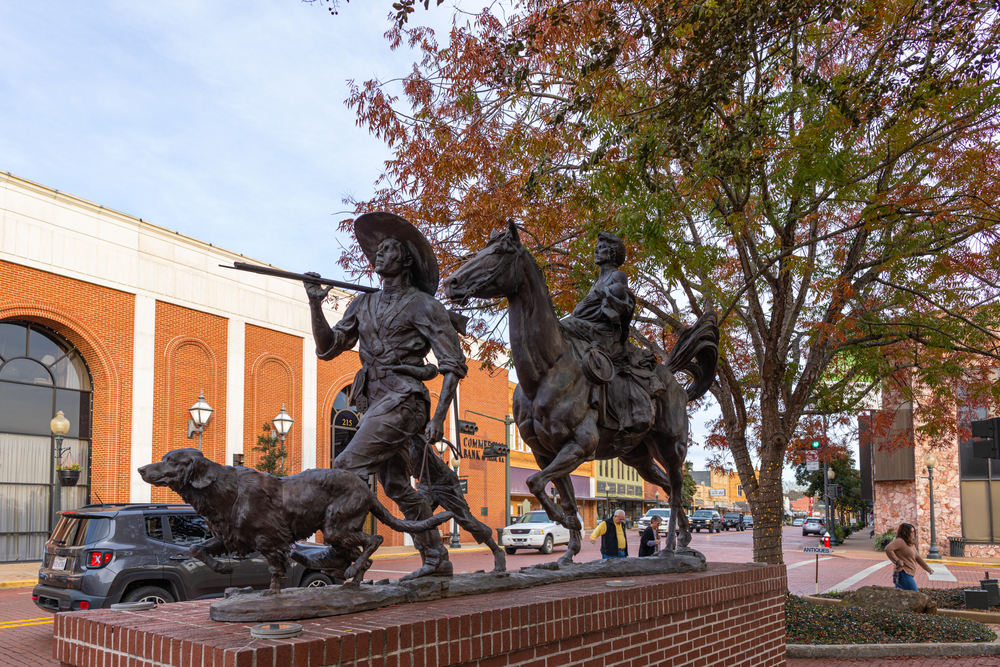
point(25, 631)
point(983, 661)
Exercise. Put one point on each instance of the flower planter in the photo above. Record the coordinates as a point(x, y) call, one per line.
point(69, 477)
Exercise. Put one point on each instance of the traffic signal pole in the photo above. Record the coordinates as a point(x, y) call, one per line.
point(507, 421)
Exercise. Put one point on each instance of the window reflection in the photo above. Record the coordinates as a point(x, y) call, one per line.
point(25, 370)
point(13, 341)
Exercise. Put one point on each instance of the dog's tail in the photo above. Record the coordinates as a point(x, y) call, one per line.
point(383, 515)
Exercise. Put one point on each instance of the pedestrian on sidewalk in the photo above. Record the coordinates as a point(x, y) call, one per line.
point(902, 551)
point(649, 543)
point(612, 534)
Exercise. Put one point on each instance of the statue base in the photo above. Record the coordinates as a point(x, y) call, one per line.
point(726, 614)
point(247, 605)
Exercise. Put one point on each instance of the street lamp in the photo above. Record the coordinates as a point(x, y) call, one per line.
point(282, 425)
point(827, 478)
point(456, 543)
point(930, 461)
point(201, 412)
point(59, 427)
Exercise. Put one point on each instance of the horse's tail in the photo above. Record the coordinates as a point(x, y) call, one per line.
point(405, 526)
point(696, 352)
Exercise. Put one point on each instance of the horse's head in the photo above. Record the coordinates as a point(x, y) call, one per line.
point(494, 272)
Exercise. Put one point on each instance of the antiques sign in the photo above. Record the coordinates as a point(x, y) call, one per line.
point(713, 493)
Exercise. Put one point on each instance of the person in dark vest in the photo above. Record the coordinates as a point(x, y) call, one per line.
point(649, 543)
point(612, 534)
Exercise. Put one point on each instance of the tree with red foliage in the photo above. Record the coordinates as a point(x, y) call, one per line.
point(824, 172)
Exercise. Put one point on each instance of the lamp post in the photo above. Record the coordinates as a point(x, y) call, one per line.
point(456, 543)
point(828, 475)
point(282, 425)
point(59, 427)
point(201, 412)
point(930, 461)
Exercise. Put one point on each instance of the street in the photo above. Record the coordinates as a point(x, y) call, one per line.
point(26, 631)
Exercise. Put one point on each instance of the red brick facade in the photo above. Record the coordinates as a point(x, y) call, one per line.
point(99, 322)
point(190, 359)
point(273, 376)
point(730, 615)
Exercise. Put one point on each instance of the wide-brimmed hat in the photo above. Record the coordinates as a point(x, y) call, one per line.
point(373, 228)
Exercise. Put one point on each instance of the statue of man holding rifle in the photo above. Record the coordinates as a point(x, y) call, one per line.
point(395, 328)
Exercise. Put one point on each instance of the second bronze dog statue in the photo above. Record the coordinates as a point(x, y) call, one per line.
point(248, 511)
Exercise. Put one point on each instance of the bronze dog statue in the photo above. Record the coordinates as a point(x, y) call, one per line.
point(248, 511)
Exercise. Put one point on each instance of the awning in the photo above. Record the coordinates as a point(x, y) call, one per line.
point(519, 484)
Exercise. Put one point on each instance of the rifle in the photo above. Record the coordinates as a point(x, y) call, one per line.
point(458, 320)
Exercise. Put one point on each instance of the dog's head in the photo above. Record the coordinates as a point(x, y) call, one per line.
point(180, 468)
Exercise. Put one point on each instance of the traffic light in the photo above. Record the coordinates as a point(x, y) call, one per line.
point(814, 444)
point(986, 444)
point(488, 451)
point(467, 428)
point(501, 450)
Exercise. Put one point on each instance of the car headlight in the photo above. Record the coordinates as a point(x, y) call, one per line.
point(537, 532)
point(506, 531)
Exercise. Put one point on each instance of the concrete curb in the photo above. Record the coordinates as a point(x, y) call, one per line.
point(24, 583)
point(846, 651)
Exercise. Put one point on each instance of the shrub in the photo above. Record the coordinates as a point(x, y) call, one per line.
point(883, 540)
point(807, 623)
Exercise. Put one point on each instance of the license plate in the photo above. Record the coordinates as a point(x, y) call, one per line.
point(58, 563)
point(520, 539)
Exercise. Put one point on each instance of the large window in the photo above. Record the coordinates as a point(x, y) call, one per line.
point(980, 488)
point(40, 373)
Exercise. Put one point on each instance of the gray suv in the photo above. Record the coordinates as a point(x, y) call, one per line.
point(102, 554)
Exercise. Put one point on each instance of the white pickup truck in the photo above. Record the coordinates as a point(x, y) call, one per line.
point(534, 530)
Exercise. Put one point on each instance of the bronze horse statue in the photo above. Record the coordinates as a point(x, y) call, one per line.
point(552, 407)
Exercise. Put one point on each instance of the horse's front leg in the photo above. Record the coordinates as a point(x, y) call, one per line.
point(207, 550)
point(569, 458)
point(567, 499)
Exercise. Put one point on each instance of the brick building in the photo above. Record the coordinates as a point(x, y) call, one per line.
point(122, 324)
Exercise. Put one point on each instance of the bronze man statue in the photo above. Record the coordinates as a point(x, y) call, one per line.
point(603, 319)
point(395, 328)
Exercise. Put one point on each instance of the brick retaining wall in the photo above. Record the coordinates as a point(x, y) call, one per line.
point(732, 614)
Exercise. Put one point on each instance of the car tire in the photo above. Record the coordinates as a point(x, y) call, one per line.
point(805, 534)
point(148, 594)
point(510, 550)
point(547, 545)
point(315, 580)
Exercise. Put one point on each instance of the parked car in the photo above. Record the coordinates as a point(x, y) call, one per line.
point(732, 520)
point(747, 521)
point(534, 530)
point(814, 526)
point(99, 555)
point(707, 519)
point(662, 512)
point(798, 522)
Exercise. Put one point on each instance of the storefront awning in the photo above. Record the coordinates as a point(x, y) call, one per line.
point(519, 484)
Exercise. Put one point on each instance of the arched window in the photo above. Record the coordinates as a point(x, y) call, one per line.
point(343, 423)
point(40, 373)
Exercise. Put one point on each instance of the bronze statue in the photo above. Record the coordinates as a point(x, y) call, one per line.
point(572, 372)
point(395, 328)
point(249, 511)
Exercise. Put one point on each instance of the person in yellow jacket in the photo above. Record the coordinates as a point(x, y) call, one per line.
point(612, 534)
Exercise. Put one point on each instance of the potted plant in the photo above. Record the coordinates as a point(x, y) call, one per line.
point(69, 473)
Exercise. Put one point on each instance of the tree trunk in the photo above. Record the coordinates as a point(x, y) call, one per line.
point(768, 511)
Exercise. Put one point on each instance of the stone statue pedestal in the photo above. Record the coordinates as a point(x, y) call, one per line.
point(727, 614)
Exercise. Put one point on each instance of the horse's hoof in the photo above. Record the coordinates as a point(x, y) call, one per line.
point(499, 561)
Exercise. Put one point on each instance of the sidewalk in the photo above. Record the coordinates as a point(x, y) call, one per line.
point(861, 546)
point(19, 575)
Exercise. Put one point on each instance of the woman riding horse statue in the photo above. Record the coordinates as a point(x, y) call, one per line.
point(577, 400)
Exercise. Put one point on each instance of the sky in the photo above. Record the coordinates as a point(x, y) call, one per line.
point(221, 120)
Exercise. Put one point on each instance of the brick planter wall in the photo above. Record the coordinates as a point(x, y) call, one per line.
point(732, 614)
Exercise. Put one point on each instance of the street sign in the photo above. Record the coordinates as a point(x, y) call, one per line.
point(812, 466)
point(716, 492)
point(812, 457)
point(464, 482)
point(817, 550)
